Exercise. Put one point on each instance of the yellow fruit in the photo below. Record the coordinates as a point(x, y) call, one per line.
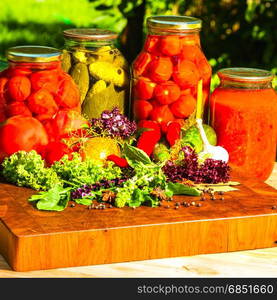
point(99, 148)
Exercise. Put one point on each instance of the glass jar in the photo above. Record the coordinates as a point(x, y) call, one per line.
point(243, 112)
point(167, 71)
point(34, 84)
point(99, 69)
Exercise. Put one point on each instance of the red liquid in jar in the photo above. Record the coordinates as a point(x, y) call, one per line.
point(245, 121)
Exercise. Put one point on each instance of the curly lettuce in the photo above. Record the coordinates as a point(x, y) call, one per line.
point(27, 169)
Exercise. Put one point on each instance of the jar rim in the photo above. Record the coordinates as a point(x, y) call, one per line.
point(175, 23)
point(89, 34)
point(33, 53)
point(245, 74)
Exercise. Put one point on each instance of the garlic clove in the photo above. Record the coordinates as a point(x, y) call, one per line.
point(218, 153)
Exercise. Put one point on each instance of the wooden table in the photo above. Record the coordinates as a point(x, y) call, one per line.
point(253, 263)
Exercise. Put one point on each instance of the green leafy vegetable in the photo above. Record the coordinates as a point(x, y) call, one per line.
point(27, 169)
point(182, 189)
point(84, 201)
point(135, 155)
point(76, 172)
point(55, 199)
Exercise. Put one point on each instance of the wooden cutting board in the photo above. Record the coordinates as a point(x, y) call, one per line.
point(33, 240)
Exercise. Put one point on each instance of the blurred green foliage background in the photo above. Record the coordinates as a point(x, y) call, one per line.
point(237, 33)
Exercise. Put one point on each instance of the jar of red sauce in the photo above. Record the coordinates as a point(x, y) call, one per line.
point(243, 110)
point(167, 71)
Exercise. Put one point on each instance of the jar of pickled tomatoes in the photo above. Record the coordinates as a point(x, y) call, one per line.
point(35, 85)
point(167, 71)
point(243, 112)
point(39, 102)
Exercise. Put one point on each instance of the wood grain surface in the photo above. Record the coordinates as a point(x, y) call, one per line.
point(236, 264)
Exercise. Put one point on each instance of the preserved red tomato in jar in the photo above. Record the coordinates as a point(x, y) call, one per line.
point(166, 73)
point(243, 110)
point(34, 91)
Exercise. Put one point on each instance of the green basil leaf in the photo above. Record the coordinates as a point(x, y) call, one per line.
point(135, 155)
point(83, 201)
point(55, 199)
point(182, 189)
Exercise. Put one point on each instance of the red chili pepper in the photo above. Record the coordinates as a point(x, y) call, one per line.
point(54, 151)
point(149, 138)
point(147, 124)
point(119, 161)
point(173, 132)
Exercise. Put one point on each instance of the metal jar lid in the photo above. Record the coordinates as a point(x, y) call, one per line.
point(174, 23)
point(33, 54)
point(245, 75)
point(89, 34)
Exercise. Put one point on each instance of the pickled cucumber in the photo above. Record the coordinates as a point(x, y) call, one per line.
point(79, 56)
point(106, 99)
point(102, 75)
point(108, 72)
point(119, 61)
point(98, 87)
point(66, 61)
point(80, 75)
point(105, 53)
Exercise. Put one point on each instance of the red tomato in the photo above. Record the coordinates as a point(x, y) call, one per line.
point(17, 108)
point(183, 107)
point(185, 92)
point(141, 63)
point(3, 86)
point(49, 127)
point(205, 70)
point(42, 102)
point(161, 114)
point(160, 69)
point(68, 94)
point(151, 44)
point(47, 79)
point(3, 102)
point(144, 88)
point(180, 121)
point(167, 92)
point(54, 151)
point(186, 74)
point(22, 71)
point(22, 133)
point(191, 53)
point(19, 88)
point(142, 109)
point(67, 121)
point(190, 40)
point(170, 45)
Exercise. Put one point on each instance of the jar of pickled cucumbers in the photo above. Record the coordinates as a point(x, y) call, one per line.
point(98, 68)
point(166, 73)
